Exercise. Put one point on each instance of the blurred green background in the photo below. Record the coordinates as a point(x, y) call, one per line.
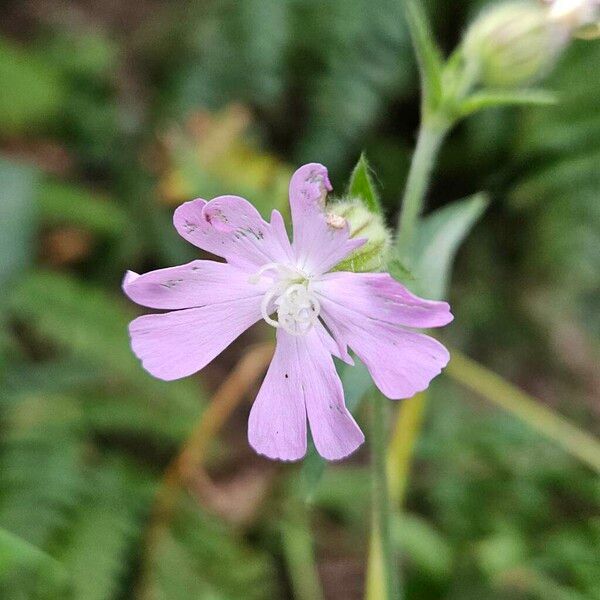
point(112, 113)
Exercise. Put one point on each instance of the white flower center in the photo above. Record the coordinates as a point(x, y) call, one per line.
point(290, 297)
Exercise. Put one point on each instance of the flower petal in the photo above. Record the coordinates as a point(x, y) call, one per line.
point(302, 381)
point(176, 344)
point(277, 422)
point(231, 227)
point(197, 283)
point(379, 296)
point(334, 347)
point(400, 361)
point(318, 244)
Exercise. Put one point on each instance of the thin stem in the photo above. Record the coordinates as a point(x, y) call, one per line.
point(401, 449)
point(381, 503)
point(298, 549)
point(492, 387)
point(430, 138)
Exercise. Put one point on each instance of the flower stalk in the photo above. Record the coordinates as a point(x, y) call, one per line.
point(382, 558)
point(430, 138)
point(381, 543)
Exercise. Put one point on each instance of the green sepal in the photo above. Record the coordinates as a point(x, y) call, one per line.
point(361, 185)
point(363, 212)
point(399, 271)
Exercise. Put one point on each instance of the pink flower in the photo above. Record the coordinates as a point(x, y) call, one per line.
point(317, 313)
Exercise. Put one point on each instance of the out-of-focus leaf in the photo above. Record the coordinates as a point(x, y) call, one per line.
point(40, 457)
point(17, 217)
point(231, 59)
point(533, 413)
point(438, 238)
point(195, 556)
point(555, 191)
point(501, 551)
point(63, 203)
point(113, 412)
point(425, 546)
point(214, 155)
point(106, 522)
point(29, 573)
point(493, 98)
point(361, 185)
point(84, 321)
point(31, 89)
point(345, 492)
point(21, 377)
point(361, 64)
point(84, 53)
point(429, 56)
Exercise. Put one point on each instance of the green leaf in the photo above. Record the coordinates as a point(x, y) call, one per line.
point(17, 217)
point(105, 523)
point(21, 378)
point(32, 91)
point(494, 98)
point(423, 544)
point(429, 56)
point(28, 572)
point(83, 321)
point(63, 203)
point(438, 237)
point(361, 185)
point(196, 556)
point(40, 459)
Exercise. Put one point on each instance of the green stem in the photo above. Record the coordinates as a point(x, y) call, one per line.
point(430, 138)
point(382, 561)
point(401, 449)
point(480, 380)
point(298, 549)
point(381, 501)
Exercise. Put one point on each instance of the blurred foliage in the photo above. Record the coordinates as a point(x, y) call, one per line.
point(104, 128)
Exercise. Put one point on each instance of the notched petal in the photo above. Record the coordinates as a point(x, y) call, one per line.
point(229, 226)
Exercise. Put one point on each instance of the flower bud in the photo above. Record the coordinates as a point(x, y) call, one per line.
point(576, 17)
point(512, 44)
point(363, 223)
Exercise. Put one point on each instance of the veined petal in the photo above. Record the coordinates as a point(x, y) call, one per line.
point(301, 382)
point(334, 347)
point(379, 296)
point(176, 344)
point(400, 361)
point(277, 422)
point(231, 227)
point(197, 283)
point(319, 243)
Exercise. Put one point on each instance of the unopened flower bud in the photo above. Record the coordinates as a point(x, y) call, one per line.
point(512, 44)
point(363, 223)
point(576, 17)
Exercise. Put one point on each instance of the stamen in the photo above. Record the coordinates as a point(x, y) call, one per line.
point(255, 278)
point(297, 307)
